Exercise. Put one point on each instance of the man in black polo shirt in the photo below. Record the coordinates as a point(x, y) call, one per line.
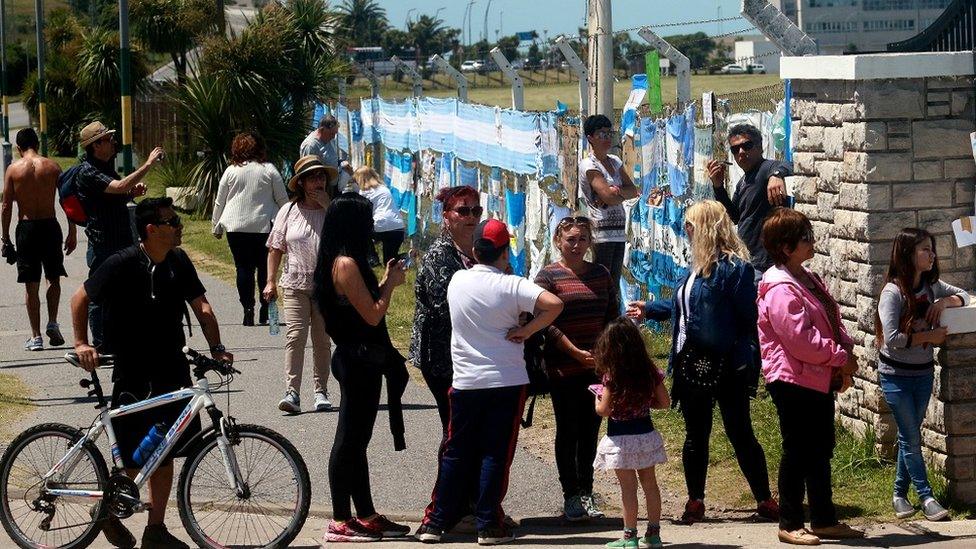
point(106, 195)
point(143, 289)
point(761, 188)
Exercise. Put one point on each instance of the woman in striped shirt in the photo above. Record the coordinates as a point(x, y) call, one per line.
point(590, 300)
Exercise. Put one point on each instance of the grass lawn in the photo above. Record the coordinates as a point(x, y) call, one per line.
point(542, 98)
point(13, 403)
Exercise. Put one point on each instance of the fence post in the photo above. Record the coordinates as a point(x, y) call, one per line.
point(459, 79)
point(374, 85)
point(577, 66)
point(778, 28)
point(418, 81)
point(518, 96)
point(682, 66)
point(374, 91)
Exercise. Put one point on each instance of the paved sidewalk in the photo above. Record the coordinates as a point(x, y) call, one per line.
point(401, 481)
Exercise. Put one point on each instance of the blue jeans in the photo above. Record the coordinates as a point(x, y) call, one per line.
point(908, 397)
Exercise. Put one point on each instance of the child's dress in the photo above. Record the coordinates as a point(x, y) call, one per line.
point(631, 441)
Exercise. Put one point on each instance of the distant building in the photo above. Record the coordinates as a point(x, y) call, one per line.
point(757, 52)
point(840, 26)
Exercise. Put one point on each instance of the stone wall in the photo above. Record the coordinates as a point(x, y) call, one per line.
point(872, 156)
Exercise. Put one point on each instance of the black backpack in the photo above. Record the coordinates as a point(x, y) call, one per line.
point(535, 365)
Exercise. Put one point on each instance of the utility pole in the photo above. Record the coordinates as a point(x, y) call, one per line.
point(600, 56)
point(3, 70)
point(126, 77)
point(41, 99)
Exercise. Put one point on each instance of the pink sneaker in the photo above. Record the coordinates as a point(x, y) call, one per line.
point(349, 531)
point(384, 526)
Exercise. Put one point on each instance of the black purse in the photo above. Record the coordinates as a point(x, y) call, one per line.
point(699, 369)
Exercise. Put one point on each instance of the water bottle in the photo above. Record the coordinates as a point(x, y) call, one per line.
point(149, 444)
point(274, 328)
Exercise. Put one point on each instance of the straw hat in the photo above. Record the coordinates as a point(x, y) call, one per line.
point(93, 132)
point(308, 164)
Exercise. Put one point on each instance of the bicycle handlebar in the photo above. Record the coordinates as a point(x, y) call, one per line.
point(204, 363)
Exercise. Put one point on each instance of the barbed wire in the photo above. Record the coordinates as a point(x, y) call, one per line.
point(692, 42)
point(674, 24)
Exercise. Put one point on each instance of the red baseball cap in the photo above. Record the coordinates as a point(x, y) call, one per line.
point(494, 231)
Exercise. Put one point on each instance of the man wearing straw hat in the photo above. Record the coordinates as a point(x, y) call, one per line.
point(106, 195)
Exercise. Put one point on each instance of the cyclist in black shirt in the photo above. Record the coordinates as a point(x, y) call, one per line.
point(143, 289)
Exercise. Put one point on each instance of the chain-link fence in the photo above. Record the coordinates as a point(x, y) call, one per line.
point(758, 99)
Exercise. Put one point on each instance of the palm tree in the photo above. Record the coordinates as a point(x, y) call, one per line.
point(362, 22)
point(429, 35)
point(174, 27)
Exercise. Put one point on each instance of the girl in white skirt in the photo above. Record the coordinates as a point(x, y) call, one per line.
point(631, 387)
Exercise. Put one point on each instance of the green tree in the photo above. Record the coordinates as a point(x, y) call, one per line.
point(361, 23)
point(82, 79)
point(509, 46)
point(698, 47)
point(264, 79)
point(173, 27)
point(429, 35)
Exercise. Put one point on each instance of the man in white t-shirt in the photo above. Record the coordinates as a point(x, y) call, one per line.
point(488, 392)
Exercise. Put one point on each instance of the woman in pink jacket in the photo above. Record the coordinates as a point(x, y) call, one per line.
point(806, 357)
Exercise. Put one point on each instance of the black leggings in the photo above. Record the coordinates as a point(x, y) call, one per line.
point(359, 387)
point(391, 241)
point(577, 428)
point(250, 254)
point(733, 402)
point(806, 420)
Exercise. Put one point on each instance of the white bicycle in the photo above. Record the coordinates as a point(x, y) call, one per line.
point(240, 486)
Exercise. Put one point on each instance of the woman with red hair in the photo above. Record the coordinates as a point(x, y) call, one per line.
point(430, 343)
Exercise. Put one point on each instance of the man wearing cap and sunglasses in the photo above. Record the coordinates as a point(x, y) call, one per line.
point(760, 189)
point(106, 195)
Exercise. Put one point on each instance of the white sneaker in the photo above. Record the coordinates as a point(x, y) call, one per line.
point(34, 344)
point(322, 403)
point(291, 403)
point(54, 334)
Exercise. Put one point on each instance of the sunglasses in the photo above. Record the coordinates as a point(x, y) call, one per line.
point(172, 222)
point(604, 134)
point(574, 220)
point(744, 146)
point(465, 211)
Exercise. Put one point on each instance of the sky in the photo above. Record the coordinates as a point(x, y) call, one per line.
point(565, 16)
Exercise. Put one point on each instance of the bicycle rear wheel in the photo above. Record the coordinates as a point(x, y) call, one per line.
point(270, 515)
point(34, 520)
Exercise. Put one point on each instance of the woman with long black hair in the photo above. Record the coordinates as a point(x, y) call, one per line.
point(354, 304)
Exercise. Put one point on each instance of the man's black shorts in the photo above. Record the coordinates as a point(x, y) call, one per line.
point(39, 245)
point(131, 429)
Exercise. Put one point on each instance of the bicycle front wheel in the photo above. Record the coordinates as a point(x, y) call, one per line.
point(272, 509)
point(34, 519)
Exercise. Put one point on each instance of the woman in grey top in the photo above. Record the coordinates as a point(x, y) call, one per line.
point(907, 329)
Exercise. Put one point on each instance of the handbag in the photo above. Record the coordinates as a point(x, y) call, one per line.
point(700, 368)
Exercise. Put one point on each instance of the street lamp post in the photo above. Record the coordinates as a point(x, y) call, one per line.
point(3, 70)
point(41, 95)
point(406, 24)
point(488, 7)
point(125, 77)
point(467, 14)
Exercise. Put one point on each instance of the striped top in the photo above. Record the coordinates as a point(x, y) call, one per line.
point(589, 303)
point(248, 198)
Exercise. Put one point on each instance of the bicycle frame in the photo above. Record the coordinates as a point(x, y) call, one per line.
point(200, 399)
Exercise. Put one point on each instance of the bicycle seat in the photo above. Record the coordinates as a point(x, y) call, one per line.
point(103, 360)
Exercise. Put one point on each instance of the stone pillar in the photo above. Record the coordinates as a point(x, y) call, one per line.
point(882, 142)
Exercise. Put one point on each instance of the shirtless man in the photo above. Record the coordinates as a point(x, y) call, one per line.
point(32, 182)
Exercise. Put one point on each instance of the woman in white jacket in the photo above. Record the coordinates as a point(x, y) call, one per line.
point(248, 197)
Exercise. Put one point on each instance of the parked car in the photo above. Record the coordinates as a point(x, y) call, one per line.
point(733, 68)
point(756, 68)
point(472, 65)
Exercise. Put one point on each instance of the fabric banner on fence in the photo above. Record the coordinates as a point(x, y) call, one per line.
point(652, 66)
point(628, 121)
point(342, 138)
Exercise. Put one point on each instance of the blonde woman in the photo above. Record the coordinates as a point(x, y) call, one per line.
point(387, 223)
point(713, 353)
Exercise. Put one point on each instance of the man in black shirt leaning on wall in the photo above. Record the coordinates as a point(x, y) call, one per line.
point(762, 188)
